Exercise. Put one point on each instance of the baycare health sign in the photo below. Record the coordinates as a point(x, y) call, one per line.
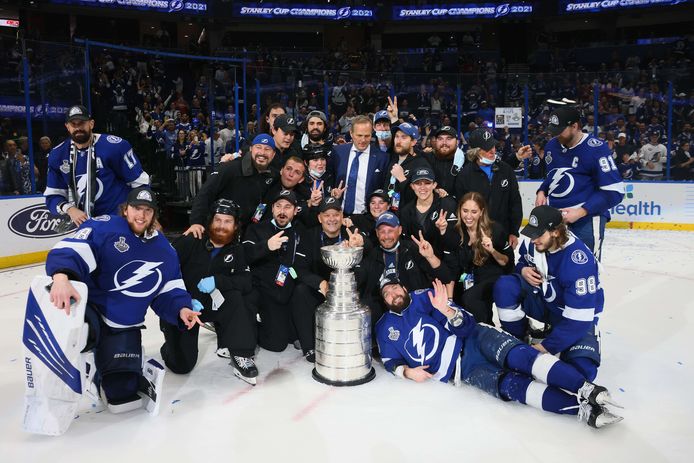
point(468, 10)
point(277, 11)
point(26, 229)
point(567, 6)
point(160, 6)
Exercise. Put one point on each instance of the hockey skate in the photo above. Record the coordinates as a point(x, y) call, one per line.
point(151, 384)
point(209, 326)
point(245, 369)
point(596, 395)
point(596, 416)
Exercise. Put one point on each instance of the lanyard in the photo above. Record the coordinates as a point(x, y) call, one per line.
point(323, 237)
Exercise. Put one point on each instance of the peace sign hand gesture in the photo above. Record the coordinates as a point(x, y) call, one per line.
point(392, 109)
point(441, 223)
point(337, 191)
point(316, 194)
point(355, 238)
point(425, 248)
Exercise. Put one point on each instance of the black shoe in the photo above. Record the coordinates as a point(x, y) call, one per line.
point(245, 369)
point(310, 356)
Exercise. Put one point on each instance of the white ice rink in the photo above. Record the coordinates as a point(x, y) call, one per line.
point(209, 415)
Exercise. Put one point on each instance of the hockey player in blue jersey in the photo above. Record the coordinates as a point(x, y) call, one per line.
point(90, 174)
point(127, 266)
point(425, 336)
point(582, 178)
point(556, 281)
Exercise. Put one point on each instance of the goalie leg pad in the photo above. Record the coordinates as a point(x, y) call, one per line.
point(118, 359)
point(53, 342)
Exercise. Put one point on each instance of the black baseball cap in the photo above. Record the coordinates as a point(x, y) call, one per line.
point(286, 123)
point(542, 219)
point(329, 203)
point(423, 173)
point(288, 195)
point(142, 196)
point(226, 207)
point(78, 112)
point(388, 278)
point(561, 118)
point(381, 194)
point(481, 138)
point(446, 130)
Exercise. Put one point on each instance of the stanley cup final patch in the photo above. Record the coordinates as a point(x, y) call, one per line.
point(393, 334)
point(121, 245)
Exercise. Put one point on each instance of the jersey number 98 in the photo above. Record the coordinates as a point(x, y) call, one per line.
point(586, 286)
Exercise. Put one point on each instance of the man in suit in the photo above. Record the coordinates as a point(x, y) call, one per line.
point(359, 167)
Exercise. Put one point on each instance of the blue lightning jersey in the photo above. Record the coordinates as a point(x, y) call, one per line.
point(117, 171)
point(571, 290)
point(124, 272)
point(583, 176)
point(421, 335)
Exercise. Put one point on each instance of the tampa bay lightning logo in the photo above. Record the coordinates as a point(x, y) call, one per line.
point(344, 12)
point(562, 183)
point(550, 294)
point(175, 5)
point(579, 257)
point(82, 186)
point(422, 342)
point(502, 10)
point(137, 274)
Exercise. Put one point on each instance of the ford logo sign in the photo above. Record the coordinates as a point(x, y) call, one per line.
point(36, 222)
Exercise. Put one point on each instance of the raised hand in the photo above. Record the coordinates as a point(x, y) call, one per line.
point(316, 194)
point(337, 191)
point(525, 152)
point(355, 238)
point(196, 230)
point(425, 248)
point(487, 243)
point(276, 241)
point(441, 223)
point(392, 109)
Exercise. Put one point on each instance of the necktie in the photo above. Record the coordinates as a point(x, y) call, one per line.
point(351, 192)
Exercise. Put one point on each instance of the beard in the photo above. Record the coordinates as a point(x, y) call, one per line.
point(80, 136)
point(443, 154)
point(399, 303)
point(221, 236)
point(315, 136)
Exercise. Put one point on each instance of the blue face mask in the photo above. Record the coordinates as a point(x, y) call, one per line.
point(383, 134)
point(487, 161)
point(315, 173)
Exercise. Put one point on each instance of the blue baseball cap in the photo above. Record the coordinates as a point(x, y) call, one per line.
point(381, 115)
point(264, 139)
point(387, 218)
point(408, 129)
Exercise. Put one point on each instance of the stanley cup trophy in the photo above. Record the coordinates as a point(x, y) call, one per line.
point(343, 324)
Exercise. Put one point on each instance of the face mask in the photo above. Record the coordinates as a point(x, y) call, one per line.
point(487, 161)
point(315, 173)
point(383, 134)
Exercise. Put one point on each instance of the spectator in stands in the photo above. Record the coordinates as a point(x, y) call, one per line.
point(652, 157)
point(9, 183)
point(682, 163)
point(41, 162)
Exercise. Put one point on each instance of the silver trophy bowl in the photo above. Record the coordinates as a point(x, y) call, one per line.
point(343, 324)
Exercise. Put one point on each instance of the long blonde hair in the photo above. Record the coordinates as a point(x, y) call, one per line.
point(484, 225)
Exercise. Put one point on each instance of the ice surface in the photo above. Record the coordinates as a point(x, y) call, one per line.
point(647, 333)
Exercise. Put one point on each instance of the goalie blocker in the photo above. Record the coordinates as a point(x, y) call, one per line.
point(58, 371)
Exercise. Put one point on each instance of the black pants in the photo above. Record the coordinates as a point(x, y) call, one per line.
point(477, 300)
point(234, 322)
point(283, 322)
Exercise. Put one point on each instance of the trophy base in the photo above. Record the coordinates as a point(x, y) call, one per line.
point(369, 376)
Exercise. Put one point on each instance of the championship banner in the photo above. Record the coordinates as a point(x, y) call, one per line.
point(466, 11)
point(508, 117)
point(568, 6)
point(15, 108)
point(158, 6)
point(283, 11)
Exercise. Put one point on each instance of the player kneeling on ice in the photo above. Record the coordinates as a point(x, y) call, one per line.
point(103, 278)
point(425, 336)
point(216, 274)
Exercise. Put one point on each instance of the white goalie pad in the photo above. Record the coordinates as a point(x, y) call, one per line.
point(54, 365)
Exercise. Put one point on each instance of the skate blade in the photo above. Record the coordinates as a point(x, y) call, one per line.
point(251, 381)
point(209, 327)
point(611, 403)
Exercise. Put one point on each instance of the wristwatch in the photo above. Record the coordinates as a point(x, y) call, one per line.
point(457, 319)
